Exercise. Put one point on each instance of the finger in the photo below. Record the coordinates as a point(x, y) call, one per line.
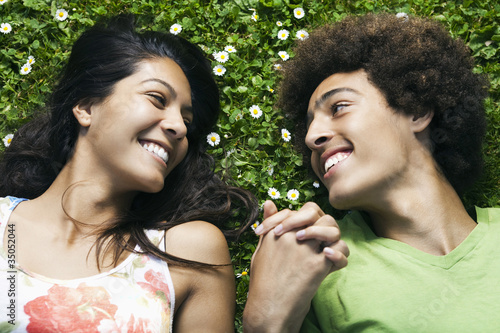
point(272, 221)
point(259, 244)
point(337, 255)
point(306, 216)
point(269, 209)
point(327, 234)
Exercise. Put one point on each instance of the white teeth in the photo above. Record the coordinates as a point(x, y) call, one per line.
point(157, 150)
point(335, 159)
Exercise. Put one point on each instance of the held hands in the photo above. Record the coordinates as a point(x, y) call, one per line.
point(296, 251)
point(311, 223)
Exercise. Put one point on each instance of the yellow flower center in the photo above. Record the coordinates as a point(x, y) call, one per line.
point(213, 139)
point(222, 56)
point(293, 195)
point(243, 273)
point(255, 111)
point(9, 141)
point(273, 193)
point(299, 12)
point(61, 14)
point(5, 28)
point(285, 135)
point(219, 70)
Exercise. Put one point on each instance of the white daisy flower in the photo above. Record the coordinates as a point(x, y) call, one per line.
point(277, 66)
point(239, 116)
point(175, 29)
point(279, 24)
point(230, 49)
point(255, 17)
point(255, 111)
point(270, 170)
point(302, 34)
point(283, 34)
point(213, 139)
point(219, 70)
point(221, 56)
point(8, 139)
point(26, 69)
point(3, 1)
point(283, 55)
point(255, 225)
point(229, 152)
point(270, 89)
point(292, 194)
point(273, 193)
point(5, 28)
point(31, 60)
point(298, 13)
point(316, 184)
point(285, 135)
point(61, 14)
point(245, 272)
point(402, 16)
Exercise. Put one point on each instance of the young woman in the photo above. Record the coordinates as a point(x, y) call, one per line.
point(120, 232)
point(393, 118)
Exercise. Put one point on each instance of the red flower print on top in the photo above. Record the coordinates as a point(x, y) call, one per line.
point(66, 309)
point(156, 285)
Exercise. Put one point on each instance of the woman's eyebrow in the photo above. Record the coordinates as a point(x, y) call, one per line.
point(168, 86)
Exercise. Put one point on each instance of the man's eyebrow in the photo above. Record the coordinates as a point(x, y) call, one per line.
point(168, 86)
point(330, 93)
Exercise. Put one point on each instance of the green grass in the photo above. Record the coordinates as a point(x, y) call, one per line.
point(249, 147)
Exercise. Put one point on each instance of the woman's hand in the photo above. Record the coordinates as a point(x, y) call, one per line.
point(288, 267)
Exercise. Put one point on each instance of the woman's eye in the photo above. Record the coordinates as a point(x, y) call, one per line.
point(159, 98)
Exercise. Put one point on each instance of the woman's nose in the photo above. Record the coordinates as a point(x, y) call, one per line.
point(173, 125)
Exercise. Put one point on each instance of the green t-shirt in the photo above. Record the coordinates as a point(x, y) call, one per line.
point(389, 286)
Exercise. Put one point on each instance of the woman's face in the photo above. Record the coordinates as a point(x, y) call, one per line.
point(137, 135)
point(360, 146)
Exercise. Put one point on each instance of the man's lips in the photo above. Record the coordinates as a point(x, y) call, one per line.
point(331, 158)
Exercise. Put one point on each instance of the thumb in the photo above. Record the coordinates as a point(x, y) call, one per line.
point(269, 209)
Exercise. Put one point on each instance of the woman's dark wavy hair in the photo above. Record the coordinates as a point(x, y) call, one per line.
point(418, 67)
point(101, 57)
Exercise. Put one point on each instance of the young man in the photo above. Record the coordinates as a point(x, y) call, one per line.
point(393, 119)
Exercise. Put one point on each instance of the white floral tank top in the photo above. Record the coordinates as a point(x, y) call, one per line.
point(135, 296)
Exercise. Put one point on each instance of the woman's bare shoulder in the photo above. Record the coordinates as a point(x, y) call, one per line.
point(199, 241)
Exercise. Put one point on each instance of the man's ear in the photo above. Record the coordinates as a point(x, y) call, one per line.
point(419, 124)
point(83, 113)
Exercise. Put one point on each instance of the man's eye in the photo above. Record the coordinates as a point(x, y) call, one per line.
point(338, 107)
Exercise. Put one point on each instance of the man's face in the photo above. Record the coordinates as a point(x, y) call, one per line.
point(361, 148)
